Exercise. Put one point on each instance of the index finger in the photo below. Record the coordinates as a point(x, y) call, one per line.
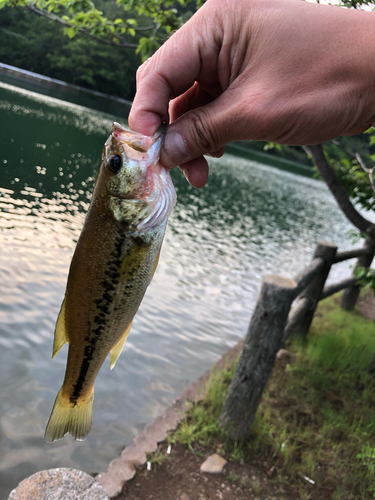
point(171, 71)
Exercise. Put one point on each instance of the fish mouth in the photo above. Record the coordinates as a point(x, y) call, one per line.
point(139, 142)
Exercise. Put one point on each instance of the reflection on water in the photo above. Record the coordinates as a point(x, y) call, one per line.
point(249, 221)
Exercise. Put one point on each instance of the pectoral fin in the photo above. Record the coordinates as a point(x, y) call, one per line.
point(61, 337)
point(117, 349)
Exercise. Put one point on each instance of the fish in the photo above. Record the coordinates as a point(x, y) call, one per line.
point(113, 263)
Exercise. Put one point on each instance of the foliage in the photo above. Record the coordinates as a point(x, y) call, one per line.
point(201, 425)
point(366, 277)
point(316, 416)
point(44, 48)
point(142, 25)
point(158, 458)
point(356, 4)
point(367, 456)
point(342, 157)
point(294, 153)
point(355, 236)
point(145, 26)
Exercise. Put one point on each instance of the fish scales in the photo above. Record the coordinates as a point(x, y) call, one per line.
point(113, 301)
point(114, 261)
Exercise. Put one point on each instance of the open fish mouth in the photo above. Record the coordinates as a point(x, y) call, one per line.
point(144, 144)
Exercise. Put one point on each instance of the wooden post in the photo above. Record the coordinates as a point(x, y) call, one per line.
point(263, 340)
point(302, 314)
point(351, 294)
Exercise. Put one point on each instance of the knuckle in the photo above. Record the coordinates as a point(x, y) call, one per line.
point(139, 73)
point(141, 70)
point(203, 131)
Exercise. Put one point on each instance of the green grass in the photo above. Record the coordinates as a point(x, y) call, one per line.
point(201, 424)
point(317, 415)
point(158, 458)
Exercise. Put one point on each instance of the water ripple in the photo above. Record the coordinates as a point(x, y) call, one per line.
point(250, 220)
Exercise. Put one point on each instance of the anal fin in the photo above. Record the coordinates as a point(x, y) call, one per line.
point(61, 337)
point(117, 349)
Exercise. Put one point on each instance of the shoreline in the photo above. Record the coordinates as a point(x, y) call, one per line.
point(121, 107)
point(122, 468)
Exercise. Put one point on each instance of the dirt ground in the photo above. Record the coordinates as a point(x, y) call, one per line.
point(366, 306)
point(179, 478)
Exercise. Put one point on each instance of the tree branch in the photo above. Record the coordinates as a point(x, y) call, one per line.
point(369, 171)
point(357, 156)
point(66, 24)
point(338, 192)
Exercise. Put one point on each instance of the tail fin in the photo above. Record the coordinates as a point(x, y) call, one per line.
point(68, 418)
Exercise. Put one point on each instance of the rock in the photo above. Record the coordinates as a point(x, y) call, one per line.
point(246, 481)
point(114, 479)
point(214, 464)
point(59, 484)
point(184, 496)
point(284, 354)
point(271, 472)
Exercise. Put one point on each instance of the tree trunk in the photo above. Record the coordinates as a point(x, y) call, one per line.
point(338, 191)
point(302, 314)
point(350, 296)
point(263, 340)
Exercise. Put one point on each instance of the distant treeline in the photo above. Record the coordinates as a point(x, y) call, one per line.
point(36, 44)
point(33, 43)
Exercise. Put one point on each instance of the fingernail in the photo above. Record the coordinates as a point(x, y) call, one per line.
point(175, 150)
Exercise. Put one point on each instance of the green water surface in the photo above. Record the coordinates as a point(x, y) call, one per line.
point(250, 220)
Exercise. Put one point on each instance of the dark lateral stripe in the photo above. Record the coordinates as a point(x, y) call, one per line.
point(102, 305)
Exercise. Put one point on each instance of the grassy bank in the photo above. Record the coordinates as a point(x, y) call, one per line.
point(315, 428)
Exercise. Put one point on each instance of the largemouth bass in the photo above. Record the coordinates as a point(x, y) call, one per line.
point(113, 263)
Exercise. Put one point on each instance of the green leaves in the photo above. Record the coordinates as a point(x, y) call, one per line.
point(341, 155)
point(366, 277)
point(70, 32)
point(155, 20)
point(147, 46)
point(355, 236)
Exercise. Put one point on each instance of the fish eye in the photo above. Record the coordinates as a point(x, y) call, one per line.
point(114, 163)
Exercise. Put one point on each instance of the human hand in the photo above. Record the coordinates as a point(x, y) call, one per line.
point(285, 71)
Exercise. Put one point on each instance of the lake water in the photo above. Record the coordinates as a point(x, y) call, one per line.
point(250, 220)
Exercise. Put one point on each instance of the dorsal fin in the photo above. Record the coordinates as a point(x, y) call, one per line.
point(117, 349)
point(61, 337)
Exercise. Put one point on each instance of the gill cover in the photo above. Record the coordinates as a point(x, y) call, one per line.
point(140, 189)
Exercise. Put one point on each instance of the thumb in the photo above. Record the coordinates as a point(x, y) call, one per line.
point(199, 131)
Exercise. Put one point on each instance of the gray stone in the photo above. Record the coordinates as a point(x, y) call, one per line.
point(114, 479)
point(59, 484)
point(214, 464)
point(284, 354)
point(133, 455)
